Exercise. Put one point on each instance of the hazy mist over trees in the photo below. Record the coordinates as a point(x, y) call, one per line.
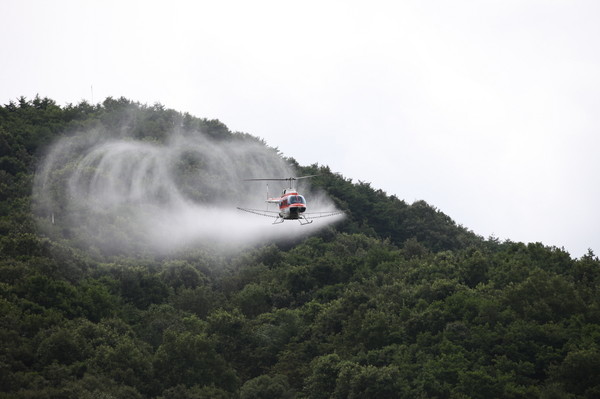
point(396, 300)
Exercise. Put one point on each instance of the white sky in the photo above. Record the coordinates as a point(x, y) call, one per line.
point(488, 110)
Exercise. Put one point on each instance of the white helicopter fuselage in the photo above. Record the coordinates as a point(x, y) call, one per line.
point(291, 204)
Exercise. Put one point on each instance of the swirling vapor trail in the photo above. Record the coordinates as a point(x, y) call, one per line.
point(120, 194)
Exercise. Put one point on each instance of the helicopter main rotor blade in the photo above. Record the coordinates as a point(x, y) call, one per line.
point(282, 179)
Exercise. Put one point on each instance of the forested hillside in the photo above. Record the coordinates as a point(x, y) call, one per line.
point(394, 301)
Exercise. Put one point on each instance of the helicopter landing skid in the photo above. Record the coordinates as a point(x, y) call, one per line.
point(303, 221)
point(306, 221)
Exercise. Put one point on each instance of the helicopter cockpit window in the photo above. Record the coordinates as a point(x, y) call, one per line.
point(297, 199)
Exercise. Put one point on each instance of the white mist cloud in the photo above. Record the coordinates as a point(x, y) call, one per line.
point(114, 193)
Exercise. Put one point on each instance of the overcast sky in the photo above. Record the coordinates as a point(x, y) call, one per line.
point(487, 110)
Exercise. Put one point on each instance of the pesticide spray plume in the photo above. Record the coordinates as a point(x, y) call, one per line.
point(113, 193)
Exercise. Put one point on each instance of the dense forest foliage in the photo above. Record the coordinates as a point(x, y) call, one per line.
point(395, 301)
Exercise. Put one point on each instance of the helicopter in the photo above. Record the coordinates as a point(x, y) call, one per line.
point(292, 205)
